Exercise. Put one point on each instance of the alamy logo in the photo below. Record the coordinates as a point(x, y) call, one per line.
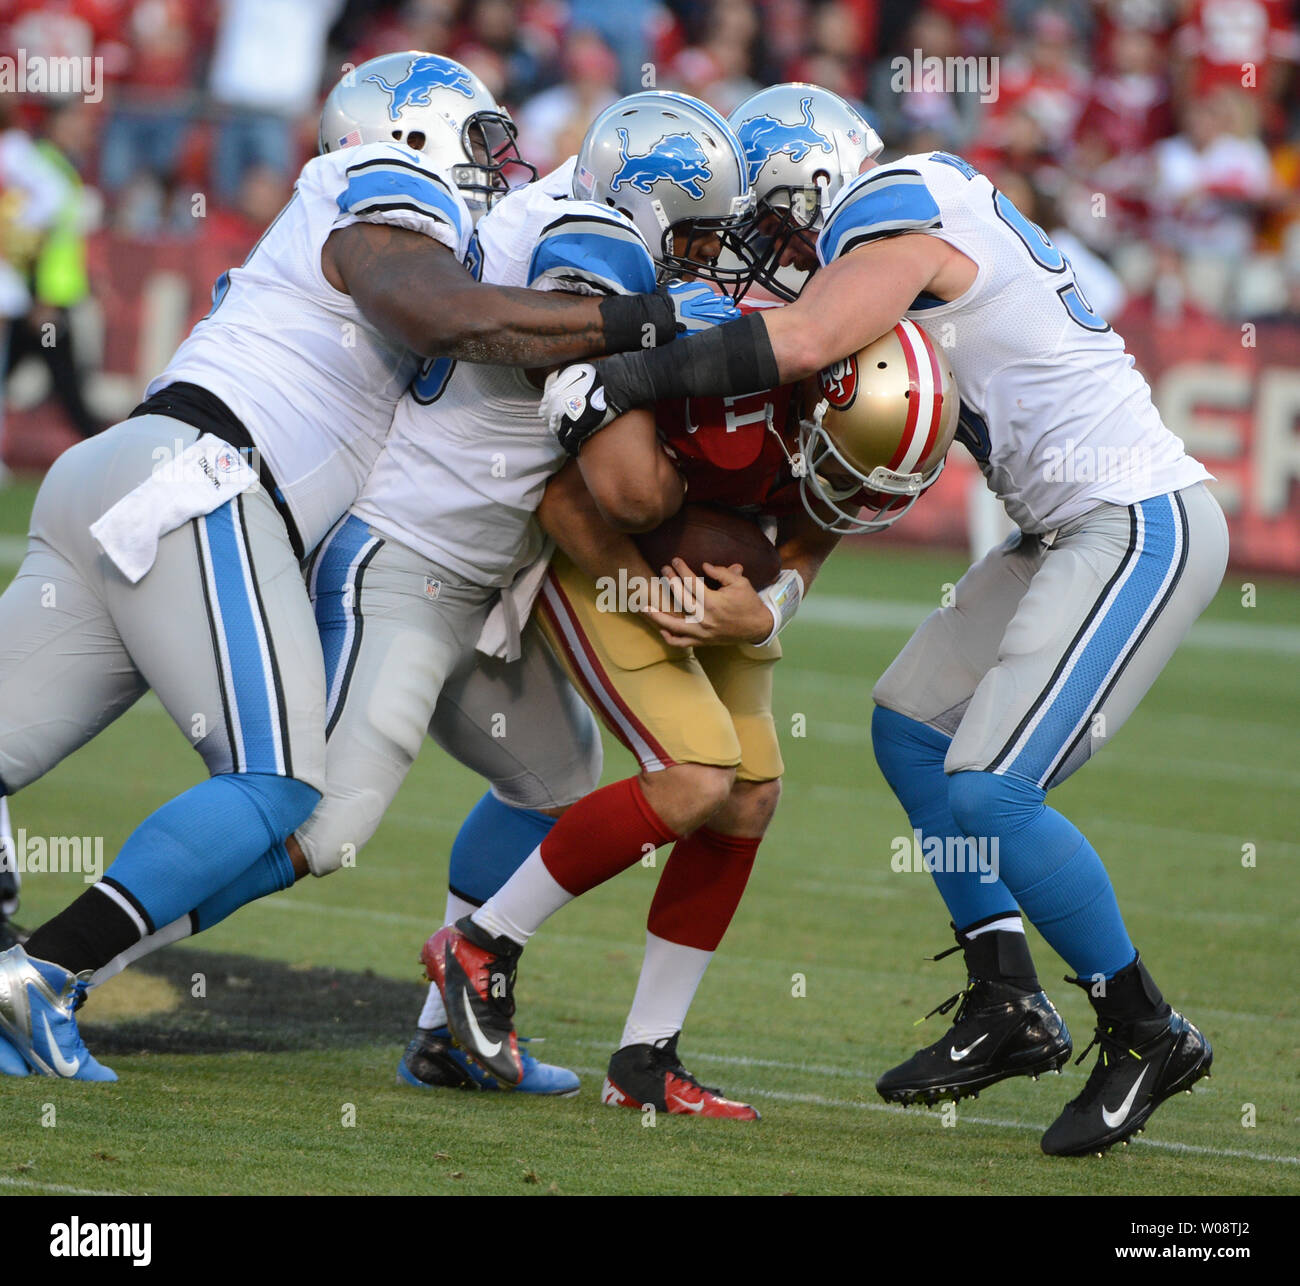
point(53, 854)
point(763, 137)
point(63, 76)
point(946, 854)
point(77, 1240)
point(423, 76)
point(678, 158)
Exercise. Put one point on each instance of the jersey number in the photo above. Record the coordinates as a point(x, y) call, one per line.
point(222, 284)
point(1049, 256)
point(435, 373)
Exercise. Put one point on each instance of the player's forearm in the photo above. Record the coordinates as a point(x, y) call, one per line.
point(804, 547)
point(416, 293)
point(632, 482)
point(508, 326)
point(570, 516)
point(843, 308)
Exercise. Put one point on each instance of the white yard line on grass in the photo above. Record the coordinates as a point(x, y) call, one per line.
point(586, 940)
point(7, 1182)
point(891, 614)
point(822, 1100)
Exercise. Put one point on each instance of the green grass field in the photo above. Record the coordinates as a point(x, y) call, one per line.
point(310, 995)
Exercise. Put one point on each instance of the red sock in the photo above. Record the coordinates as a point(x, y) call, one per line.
point(601, 835)
point(701, 887)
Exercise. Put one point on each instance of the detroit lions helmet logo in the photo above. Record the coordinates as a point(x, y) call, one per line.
point(763, 137)
point(676, 157)
point(422, 77)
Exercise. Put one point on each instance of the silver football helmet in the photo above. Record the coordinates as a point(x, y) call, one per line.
point(803, 145)
point(674, 167)
point(433, 105)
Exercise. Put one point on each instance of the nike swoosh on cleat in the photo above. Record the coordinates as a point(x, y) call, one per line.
point(958, 1054)
point(61, 1064)
point(482, 1045)
point(1119, 1116)
point(684, 1105)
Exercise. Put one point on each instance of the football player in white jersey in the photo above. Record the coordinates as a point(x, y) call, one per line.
point(443, 527)
point(1053, 638)
point(165, 553)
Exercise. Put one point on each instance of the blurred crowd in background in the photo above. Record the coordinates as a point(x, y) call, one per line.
point(1158, 140)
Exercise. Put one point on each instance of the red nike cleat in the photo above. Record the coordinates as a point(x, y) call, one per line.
point(475, 973)
point(641, 1074)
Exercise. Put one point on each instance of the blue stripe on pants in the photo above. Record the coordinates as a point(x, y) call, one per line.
point(1156, 551)
point(250, 682)
point(334, 600)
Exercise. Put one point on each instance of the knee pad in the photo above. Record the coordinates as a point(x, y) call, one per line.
point(985, 803)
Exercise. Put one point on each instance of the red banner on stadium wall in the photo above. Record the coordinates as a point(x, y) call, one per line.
point(1231, 392)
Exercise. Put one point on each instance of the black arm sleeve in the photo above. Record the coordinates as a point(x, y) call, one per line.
point(723, 362)
point(631, 320)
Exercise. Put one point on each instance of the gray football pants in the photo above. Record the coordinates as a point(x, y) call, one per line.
point(1046, 651)
point(220, 627)
point(398, 635)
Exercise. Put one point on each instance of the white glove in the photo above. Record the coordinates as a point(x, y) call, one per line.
point(573, 405)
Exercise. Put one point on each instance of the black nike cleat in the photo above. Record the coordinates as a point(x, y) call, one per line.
point(475, 973)
point(999, 1031)
point(1143, 1061)
point(653, 1075)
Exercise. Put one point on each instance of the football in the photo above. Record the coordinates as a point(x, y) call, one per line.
point(700, 533)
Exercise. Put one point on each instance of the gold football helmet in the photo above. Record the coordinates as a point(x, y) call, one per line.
point(882, 426)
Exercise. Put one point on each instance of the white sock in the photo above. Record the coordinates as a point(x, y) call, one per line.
point(8, 855)
point(670, 976)
point(434, 1013)
point(526, 900)
point(1008, 924)
point(457, 908)
point(179, 928)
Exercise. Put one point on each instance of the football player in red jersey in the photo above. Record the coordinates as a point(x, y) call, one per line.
point(694, 705)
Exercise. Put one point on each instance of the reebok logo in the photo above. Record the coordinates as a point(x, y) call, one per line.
point(75, 1240)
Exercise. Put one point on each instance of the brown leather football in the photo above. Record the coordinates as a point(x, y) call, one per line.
point(701, 533)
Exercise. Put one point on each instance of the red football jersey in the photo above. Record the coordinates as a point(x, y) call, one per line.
point(725, 450)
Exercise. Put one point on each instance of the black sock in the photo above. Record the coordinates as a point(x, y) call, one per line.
point(89, 933)
point(1000, 956)
point(1130, 996)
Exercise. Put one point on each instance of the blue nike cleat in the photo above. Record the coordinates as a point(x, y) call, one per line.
point(37, 1003)
point(431, 1061)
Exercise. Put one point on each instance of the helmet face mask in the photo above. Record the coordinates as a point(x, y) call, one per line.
point(694, 247)
point(838, 498)
point(489, 138)
point(787, 217)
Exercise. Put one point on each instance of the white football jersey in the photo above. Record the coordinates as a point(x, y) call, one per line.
point(1053, 410)
point(468, 457)
point(313, 382)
